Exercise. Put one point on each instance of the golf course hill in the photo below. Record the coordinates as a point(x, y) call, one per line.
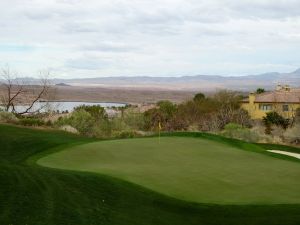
point(53, 177)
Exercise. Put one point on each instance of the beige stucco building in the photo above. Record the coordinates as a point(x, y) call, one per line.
point(283, 100)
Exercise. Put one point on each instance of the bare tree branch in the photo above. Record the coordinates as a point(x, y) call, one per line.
point(13, 89)
point(17, 93)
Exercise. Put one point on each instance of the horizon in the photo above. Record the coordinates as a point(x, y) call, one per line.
point(163, 38)
point(149, 76)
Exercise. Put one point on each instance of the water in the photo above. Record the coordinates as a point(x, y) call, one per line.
point(65, 106)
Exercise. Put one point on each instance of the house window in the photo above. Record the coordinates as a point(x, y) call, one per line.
point(265, 107)
point(285, 108)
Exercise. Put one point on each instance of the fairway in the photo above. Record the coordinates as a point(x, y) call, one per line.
point(191, 169)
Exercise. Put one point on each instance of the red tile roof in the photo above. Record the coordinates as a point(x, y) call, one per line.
point(282, 96)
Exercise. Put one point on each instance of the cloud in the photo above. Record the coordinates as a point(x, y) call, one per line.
point(108, 47)
point(150, 37)
point(87, 63)
point(16, 48)
point(79, 27)
point(263, 9)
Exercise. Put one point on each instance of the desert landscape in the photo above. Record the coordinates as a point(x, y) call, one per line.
point(118, 94)
point(149, 112)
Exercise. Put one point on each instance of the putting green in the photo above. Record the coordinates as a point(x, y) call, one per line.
point(192, 169)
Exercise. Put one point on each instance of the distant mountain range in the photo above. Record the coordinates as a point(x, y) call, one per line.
point(198, 82)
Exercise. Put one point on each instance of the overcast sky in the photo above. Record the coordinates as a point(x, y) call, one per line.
point(90, 38)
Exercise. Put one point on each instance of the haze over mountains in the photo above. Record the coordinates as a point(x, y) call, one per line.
point(192, 83)
point(203, 82)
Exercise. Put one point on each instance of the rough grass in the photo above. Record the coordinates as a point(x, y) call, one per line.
point(34, 195)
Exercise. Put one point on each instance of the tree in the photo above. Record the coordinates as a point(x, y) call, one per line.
point(228, 103)
point(198, 97)
point(260, 91)
point(14, 91)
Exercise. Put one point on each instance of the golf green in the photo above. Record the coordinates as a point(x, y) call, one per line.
point(192, 169)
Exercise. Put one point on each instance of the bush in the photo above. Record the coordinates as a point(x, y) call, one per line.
point(96, 111)
point(259, 130)
point(127, 134)
point(49, 123)
point(7, 117)
point(103, 129)
point(165, 114)
point(292, 135)
point(82, 121)
point(31, 122)
point(118, 124)
point(237, 131)
point(134, 120)
point(273, 118)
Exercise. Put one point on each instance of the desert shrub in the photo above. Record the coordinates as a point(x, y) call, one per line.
point(96, 111)
point(134, 120)
point(233, 126)
point(89, 121)
point(163, 114)
point(82, 121)
point(277, 131)
point(127, 134)
point(273, 118)
point(7, 117)
point(61, 121)
point(27, 121)
point(292, 135)
point(296, 119)
point(214, 112)
point(102, 129)
point(118, 124)
point(95, 126)
point(196, 111)
point(237, 131)
point(206, 113)
point(49, 123)
point(242, 117)
point(260, 131)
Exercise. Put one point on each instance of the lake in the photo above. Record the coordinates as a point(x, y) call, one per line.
point(66, 106)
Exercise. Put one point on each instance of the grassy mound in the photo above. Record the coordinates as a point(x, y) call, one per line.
point(34, 195)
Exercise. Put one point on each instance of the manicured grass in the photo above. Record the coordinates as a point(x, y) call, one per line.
point(192, 169)
point(34, 195)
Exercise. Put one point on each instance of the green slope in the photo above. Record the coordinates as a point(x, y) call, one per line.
point(34, 195)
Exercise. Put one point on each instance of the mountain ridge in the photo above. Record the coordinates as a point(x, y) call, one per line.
point(203, 82)
point(196, 82)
